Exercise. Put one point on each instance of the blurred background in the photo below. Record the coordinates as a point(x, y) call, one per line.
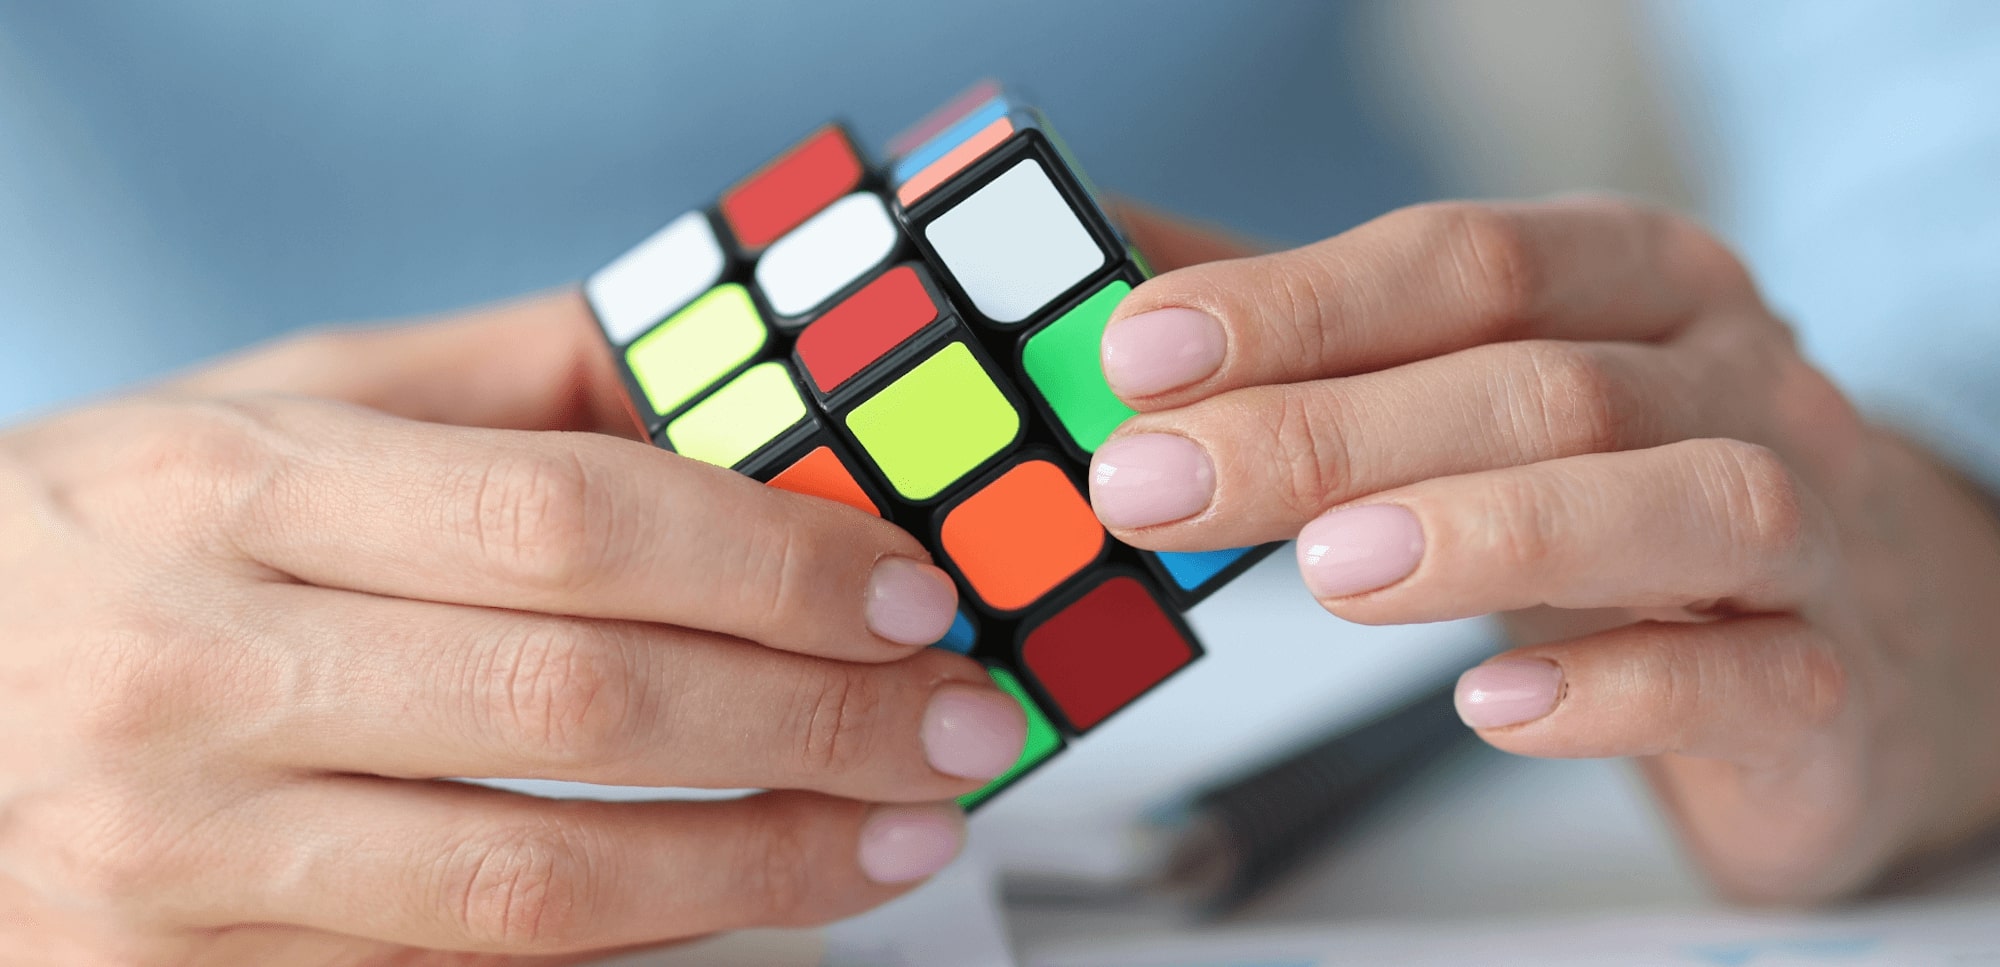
point(177, 180)
point(180, 180)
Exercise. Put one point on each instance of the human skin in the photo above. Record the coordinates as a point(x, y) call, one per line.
point(1581, 415)
point(252, 616)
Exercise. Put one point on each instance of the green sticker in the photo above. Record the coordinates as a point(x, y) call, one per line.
point(738, 419)
point(935, 424)
point(1042, 740)
point(1064, 363)
point(696, 346)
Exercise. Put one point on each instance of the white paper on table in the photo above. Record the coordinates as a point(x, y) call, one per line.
point(955, 920)
point(1926, 934)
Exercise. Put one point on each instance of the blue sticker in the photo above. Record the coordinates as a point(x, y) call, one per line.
point(1192, 569)
point(961, 636)
point(951, 137)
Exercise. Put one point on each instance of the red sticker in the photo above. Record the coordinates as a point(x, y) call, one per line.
point(791, 188)
point(1097, 655)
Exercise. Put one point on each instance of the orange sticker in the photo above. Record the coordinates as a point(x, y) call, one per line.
point(822, 474)
point(1021, 535)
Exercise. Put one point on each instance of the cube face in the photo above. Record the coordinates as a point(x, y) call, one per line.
point(920, 342)
point(935, 424)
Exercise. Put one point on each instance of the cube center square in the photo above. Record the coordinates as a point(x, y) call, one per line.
point(697, 347)
point(1015, 244)
point(920, 340)
point(865, 327)
point(1022, 534)
point(739, 419)
point(935, 424)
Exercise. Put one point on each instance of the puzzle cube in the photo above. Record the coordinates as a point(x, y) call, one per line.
point(919, 341)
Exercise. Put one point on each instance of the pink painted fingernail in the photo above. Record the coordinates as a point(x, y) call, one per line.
point(1160, 350)
point(909, 601)
point(973, 733)
point(1359, 549)
point(1150, 478)
point(1508, 692)
point(904, 843)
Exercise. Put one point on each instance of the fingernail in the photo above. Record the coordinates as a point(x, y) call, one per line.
point(1150, 478)
point(1160, 350)
point(1508, 692)
point(909, 602)
point(1359, 549)
point(904, 843)
point(973, 733)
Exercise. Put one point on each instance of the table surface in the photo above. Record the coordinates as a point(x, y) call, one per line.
point(1485, 836)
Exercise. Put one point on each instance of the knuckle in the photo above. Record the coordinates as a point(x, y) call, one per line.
point(1574, 400)
point(131, 685)
point(1812, 677)
point(1521, 523)
point(108, 855)
point(1762, 500)
point(560, 690)
point(1306, 432)
point(775, 866)
point(779, 569)
point(1492, 261)
point(533, 516)
point(835, 718)
point(210, 454)
point(522, 888)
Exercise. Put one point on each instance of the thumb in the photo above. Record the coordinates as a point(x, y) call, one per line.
point(534, 364)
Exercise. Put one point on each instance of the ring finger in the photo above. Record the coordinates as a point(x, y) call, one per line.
point(1255, 464)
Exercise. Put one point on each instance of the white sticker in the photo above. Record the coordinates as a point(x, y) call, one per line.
point(656, 278)
point(820, 257)
point(1015, 244)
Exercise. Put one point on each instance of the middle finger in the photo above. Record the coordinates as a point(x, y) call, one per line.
point(1255, 464)
point(408, 689)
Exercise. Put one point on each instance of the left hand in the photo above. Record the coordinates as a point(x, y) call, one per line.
point(1580, 413)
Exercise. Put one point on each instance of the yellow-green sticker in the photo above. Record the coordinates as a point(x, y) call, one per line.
point(738, 419)
point(696, 346)
point(936, 423)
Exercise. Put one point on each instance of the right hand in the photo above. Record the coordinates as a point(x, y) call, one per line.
point(246, 635)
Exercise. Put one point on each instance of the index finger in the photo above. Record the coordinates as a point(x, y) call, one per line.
point(580, 524)
point(1414, 284)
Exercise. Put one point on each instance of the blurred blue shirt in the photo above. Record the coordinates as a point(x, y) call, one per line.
point(178, 180)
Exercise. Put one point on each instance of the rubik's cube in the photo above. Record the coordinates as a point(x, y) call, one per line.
point(920, 341)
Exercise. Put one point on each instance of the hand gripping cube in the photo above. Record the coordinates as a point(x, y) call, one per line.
point(920, 342)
